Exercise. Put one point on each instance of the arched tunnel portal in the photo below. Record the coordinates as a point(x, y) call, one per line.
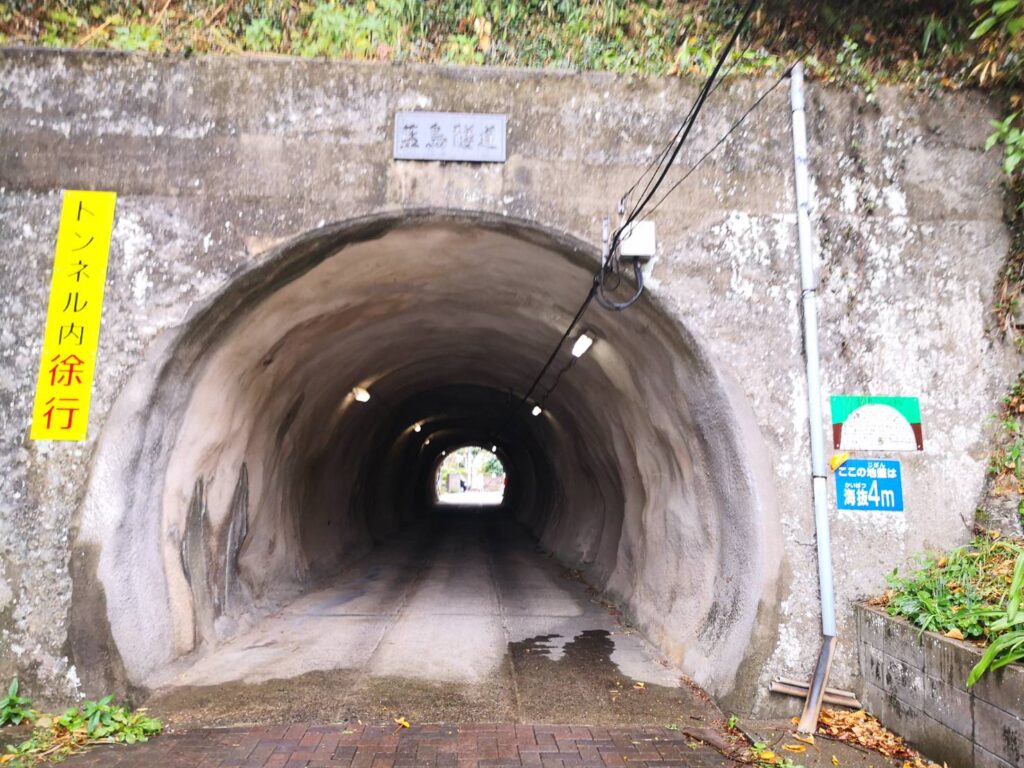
point(237, 470)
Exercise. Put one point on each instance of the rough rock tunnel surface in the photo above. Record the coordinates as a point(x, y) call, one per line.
point(262, 474)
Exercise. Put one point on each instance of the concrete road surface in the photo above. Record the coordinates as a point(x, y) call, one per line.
point(462, 619)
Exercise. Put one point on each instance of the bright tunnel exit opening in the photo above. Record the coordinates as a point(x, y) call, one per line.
point(470, 476)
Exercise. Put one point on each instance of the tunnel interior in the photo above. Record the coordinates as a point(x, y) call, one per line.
point(637, 472)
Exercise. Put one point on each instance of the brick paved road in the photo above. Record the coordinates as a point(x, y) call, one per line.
point(427, 746)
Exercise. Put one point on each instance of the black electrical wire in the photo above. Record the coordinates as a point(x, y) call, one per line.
point(572, 361)
point(687, 124)
point(764, 95)
point(597, 287)
point(613, 306)
point(656, 161)
point(650, 190)
point(835, 24)
point(561, 341)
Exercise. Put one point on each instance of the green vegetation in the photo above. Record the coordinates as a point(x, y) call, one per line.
point(1006, 464)
point(972, 593)
point(889, 40)
point(761, 756)
point(15, 709)
point(999, 35)
point(54, 737)
point(492, 466)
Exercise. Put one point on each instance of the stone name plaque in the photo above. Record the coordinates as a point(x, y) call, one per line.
point(452, 136)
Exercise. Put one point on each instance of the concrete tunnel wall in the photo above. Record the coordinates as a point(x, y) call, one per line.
point(236, 174)
point(271, 475)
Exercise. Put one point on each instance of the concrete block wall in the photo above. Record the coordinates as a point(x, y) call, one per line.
point(916, 684)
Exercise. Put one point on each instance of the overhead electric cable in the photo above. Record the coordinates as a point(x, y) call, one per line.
point(834, 24)
point(764, 95)
point(597, 287)
point(656, 161)
point(638, 213)
point(561, 341)
point(687, 125)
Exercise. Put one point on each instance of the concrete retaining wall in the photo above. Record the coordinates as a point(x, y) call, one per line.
point(915, 683)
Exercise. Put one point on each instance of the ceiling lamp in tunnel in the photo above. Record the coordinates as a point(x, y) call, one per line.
point(494, 449)
point(360, 394)
point(582, 345)
point(418, 428)
point(537, 410)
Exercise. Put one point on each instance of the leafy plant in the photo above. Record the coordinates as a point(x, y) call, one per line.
point(1008, 631)
point(763, 757)
point(1011, 138)
point(262, 35)
point(1006, 463)
point(138, 36)
point(93, 722)
point(1007, 14)
point(997, 32)
point(853, 67)
point(15, 709)
point(973, 593)
point(936, 29)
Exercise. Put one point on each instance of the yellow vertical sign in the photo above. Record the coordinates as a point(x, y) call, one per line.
point(72, 336)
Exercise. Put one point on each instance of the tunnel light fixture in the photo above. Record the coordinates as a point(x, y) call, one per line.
point(427, 441)
point(494, 449)
point(444, 453)
point(579, 349)
point(360, 394)
point(537, 410)
point(418, 428)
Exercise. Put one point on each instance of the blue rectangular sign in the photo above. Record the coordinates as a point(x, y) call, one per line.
point(870, 485)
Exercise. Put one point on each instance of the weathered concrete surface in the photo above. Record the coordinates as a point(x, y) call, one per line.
point(467, 606)
point(217, 160)
point(916, 683)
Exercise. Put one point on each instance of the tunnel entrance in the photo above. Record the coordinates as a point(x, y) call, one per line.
point(288, 441)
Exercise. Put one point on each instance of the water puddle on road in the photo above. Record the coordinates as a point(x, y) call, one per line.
point(577, 680)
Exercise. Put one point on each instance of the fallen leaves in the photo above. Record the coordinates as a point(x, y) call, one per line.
point(402, 722)
point(860, 728)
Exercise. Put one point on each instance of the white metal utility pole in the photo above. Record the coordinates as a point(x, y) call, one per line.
point(809, 292)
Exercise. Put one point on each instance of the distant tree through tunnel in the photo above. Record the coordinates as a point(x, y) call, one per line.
point(470, 476)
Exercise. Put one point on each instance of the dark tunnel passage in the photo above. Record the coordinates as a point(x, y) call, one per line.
point(269, 476)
